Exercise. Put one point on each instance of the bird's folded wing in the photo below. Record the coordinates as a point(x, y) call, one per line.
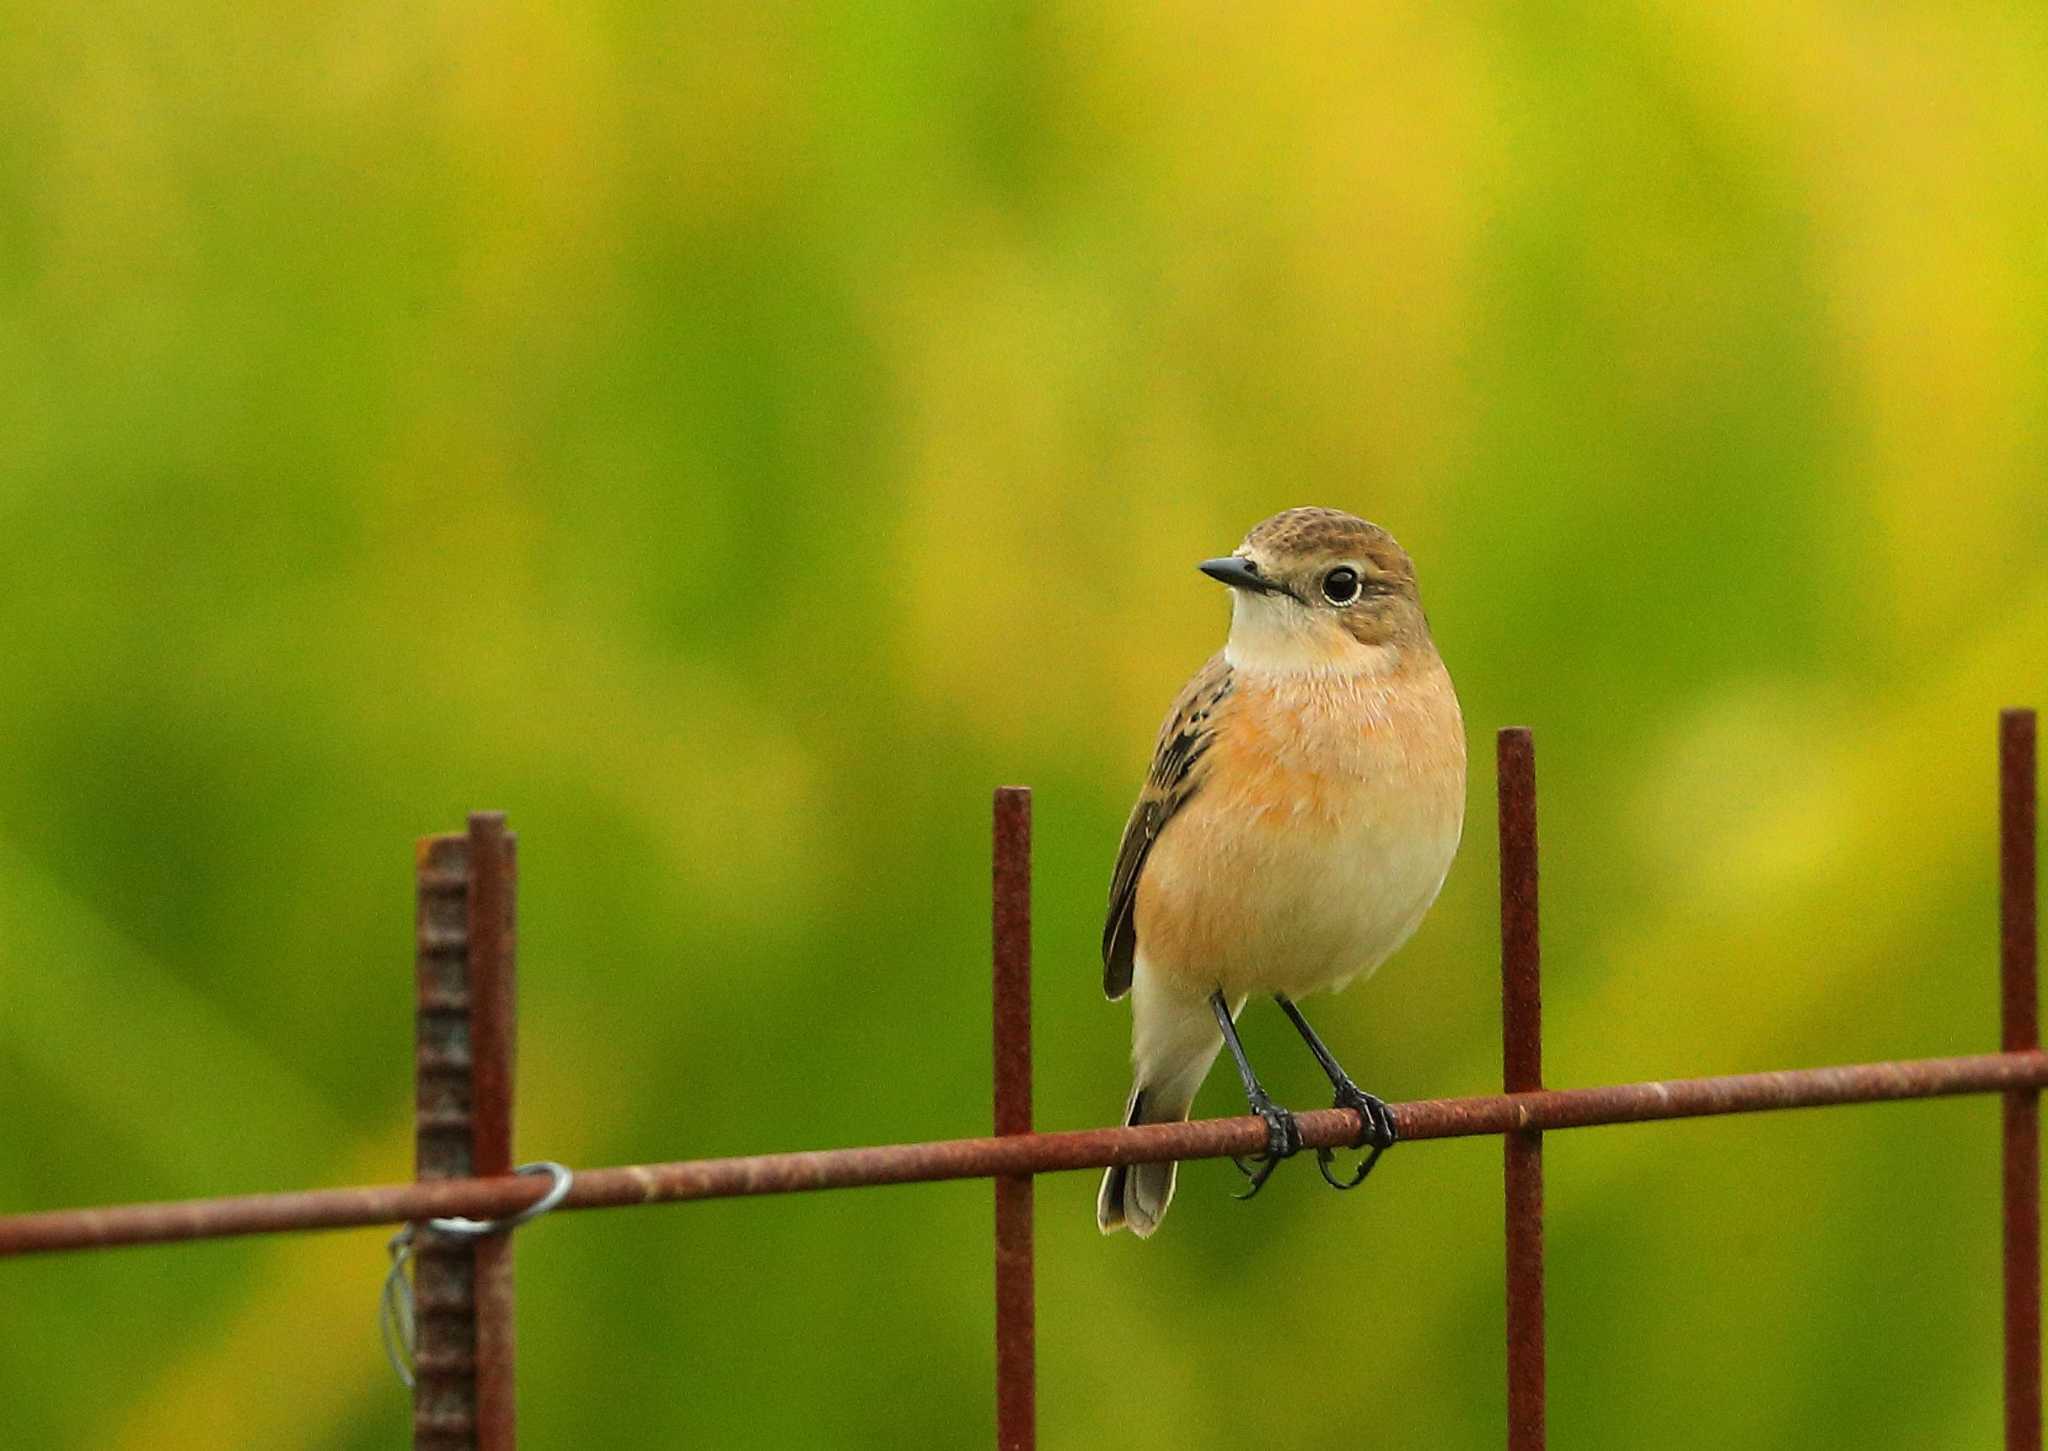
point(1173, 779)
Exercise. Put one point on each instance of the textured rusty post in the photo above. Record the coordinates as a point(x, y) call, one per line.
point(462, 1395)
point(1016, 1314)
point(1521, 964)
point(2019, 1032)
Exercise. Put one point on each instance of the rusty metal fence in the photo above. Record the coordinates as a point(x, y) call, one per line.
point(465, 950)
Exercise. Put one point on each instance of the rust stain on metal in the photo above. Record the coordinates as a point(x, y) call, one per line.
point(2020, 1032)
point(1521, 981)
point(1016, 1312)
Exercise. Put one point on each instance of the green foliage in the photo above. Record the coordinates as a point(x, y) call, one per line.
point(733, 439)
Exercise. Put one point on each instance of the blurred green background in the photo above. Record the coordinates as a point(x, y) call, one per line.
point(732, 439)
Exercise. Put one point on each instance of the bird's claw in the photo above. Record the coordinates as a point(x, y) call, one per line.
point(1376, 1129)
point(1283, 1141)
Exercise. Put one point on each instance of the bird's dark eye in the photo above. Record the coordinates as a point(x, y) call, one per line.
point(1340, 585)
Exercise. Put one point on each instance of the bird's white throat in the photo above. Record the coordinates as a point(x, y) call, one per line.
point(1275, 635)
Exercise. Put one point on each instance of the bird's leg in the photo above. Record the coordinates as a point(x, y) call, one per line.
point(1376, 1123)
point(1283, 1137)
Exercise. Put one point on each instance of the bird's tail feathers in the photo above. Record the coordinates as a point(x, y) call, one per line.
point(1135, 1196)
point(1174, 1040)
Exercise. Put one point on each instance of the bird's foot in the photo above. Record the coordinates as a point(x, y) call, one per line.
point(1376, 1130)
point(1283, 1141)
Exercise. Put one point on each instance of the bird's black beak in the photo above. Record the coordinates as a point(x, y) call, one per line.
point(1240, 573)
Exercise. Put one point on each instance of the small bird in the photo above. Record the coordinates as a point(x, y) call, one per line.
point(1306, 798)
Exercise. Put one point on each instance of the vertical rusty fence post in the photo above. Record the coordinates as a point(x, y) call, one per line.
point(1016, 1315)
point(463, 1064)
point(1521, 966)
point(2019, 1032)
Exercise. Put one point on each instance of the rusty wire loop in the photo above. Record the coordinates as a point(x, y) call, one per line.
point(558, 1190)
point(397, 1325)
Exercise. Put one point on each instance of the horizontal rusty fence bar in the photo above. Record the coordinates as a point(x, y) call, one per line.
point(1044, 1153)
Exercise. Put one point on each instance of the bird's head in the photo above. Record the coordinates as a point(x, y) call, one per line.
point(1320, 591)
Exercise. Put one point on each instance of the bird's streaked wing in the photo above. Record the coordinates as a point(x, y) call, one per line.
point(1183, 740)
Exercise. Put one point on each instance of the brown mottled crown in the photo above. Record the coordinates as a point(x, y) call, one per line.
point(1298, 533)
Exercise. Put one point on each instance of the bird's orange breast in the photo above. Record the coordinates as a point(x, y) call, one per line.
point(1328, 813)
